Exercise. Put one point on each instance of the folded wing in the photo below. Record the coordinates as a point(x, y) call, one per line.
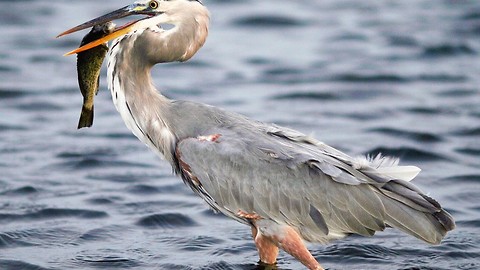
point(292, 179)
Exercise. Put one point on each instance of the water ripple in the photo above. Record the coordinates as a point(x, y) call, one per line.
point(101, 201)
point(412, 135)
point(408, 153)
point(219, 266)
point(305, 96)
point(51, 213)
point(272, 21)
point(424, 110)
point(167, 220)
point(86, 153)
point(21, 191)
point(102, 234)
point(464, 178)
point(472, 223)
point(16, 265)
point(107, 262)
point(5, 128)
point(375, 78)
point(361, 253)
point(13, 93)
point(448, 50)
point(199, 243)
point(144, 189)
point(95, 162)
point(49, 236)
point(442, 78)
point(114, 177)
point(470, 131)
point(403, 41)
point(39, 106)
point(469, 151)
point(175, 266)
point(458, 93)
point(8, 69)
point(9, 240)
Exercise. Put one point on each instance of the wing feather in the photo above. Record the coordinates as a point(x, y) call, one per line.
point(289, 178)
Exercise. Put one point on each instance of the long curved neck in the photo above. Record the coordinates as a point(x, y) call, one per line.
point(145, 111)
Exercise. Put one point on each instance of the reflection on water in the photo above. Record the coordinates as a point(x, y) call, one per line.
point(397, 77)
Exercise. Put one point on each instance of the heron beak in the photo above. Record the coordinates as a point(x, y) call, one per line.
point(133, 9)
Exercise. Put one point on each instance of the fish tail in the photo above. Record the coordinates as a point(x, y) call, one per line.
point(86, 117)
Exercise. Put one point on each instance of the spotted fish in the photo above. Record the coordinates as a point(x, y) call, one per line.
point(89, 63)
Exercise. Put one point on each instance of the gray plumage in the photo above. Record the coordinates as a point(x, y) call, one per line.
point(278, 173)
point(258, 174)
point(290, 178)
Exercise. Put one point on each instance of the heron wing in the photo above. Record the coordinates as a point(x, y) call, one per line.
point(289, 178)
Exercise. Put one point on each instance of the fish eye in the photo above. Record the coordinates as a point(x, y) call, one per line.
point(153, 4)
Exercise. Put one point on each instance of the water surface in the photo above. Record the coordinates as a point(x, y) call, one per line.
point(397, 77)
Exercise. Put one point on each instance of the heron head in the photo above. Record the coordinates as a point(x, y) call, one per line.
point(155, 12)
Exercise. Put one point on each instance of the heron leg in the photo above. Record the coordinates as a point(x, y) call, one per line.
point(267, 250)
point(288, 239)
point(293, 244)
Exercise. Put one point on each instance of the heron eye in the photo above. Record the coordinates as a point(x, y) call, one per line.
point(153, 4)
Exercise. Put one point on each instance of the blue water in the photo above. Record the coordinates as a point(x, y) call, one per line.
point(400, 77)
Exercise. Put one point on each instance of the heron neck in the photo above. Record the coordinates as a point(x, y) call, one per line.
point(145, 111)
point(143, 108)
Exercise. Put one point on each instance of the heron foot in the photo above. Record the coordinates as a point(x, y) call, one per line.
point(267, 250)
point(285, 237)
point(265, 266)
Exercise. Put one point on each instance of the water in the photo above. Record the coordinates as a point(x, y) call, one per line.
point(399, 77)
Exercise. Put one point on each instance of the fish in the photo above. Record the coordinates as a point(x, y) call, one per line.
point(89, 64)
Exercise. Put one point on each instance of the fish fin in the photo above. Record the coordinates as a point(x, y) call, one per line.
point(86, 118)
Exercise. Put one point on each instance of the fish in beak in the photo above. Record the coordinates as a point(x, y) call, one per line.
point(148, 9)
point(89, 64)
point(94, 47)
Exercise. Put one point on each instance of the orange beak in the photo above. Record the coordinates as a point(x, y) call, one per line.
point(134, 9)
point(117, 33)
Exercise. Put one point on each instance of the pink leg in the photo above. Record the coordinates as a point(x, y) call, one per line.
point(267, 250)
point(272, 236)
point(286, 238)
point(293, 244)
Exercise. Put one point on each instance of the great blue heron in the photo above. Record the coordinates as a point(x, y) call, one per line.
point(287, 186)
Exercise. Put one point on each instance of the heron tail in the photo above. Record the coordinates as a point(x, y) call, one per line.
point(411, 211)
